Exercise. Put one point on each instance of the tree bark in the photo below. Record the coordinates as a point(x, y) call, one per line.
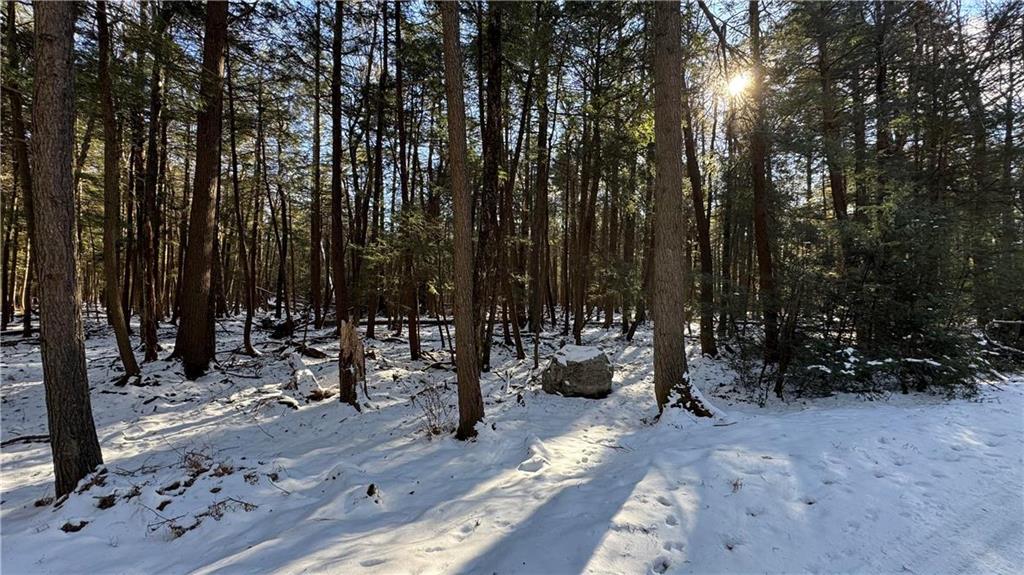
point(112, 198)
point(539, 229)
point(346, 373)
point(672, 386)
point(471, 405)
point(73, 441)
point(148, 213)
point(22, 169)
point(410, 285)
point(196, 344)
point(758, 154)
point(315, 217)
point(248, 266)
point(707, 276)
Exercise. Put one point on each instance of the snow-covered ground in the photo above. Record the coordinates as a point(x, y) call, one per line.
point(217, 476)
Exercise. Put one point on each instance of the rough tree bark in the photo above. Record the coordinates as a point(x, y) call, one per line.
point(248, 265)
point(22, 168)
point(195, 343)
point(758, 153)
point(149, 213)
point(315, 217)
point(347, 372)
point(73, 441)
point(707, 276)
point(539, 230)
point(112, 199)
point(411, 285)
point(672, 386)
point(471, 405)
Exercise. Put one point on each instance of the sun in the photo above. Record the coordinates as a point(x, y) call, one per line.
point(738, 84)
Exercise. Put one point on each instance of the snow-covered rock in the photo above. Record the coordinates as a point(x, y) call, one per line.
point(578, 371)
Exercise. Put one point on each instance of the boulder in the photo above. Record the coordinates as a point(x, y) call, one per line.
point(578, 371)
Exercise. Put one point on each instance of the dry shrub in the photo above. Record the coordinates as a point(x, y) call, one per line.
point(438, 412)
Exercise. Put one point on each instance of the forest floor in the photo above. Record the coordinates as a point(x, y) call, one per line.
point(220, 476)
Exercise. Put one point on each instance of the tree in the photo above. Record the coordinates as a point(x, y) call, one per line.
point(22, 167)
point(316, 218)
point(411, 286)
point(471, 405)
point(346, 373)
point(149, 215)
point(539, 226)
point(196, 344)
point(112, 199)
point(707, 275)
point(672, 386)
point(247, 262)
point(73, 441)
point(758, 153)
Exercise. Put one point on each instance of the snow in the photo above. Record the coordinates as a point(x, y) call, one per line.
point(215, 476)
point(577, 354)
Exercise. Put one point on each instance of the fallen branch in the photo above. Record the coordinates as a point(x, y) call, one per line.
point(26, 439)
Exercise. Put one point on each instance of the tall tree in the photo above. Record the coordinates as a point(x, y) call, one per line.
point(410, 286)
point(112, 198)
point(149, 215)
point(248, 263)
point(672, 386)
point(315, 216)
point(73, 441)
point(539, 226)
point(758, 158)
point(707, 275)
point(346, 373)
point(471, 405)
point(22, 166)
point(196, 344)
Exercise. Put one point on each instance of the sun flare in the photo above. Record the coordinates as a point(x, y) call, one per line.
point(738, 84)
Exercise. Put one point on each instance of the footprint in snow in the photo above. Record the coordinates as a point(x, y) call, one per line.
point(664, 501)
point(670, 545)
point(671, 520)
point(372, 562)
point(660, 565)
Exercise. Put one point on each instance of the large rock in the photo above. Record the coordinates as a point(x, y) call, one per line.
point(578, 371)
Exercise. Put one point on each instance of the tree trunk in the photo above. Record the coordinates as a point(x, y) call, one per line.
point(248, 266)
point(672, 386)
point(539, 228)
point(73, 441)
point(112, 198)
point(196, 344)
point(410, 285)
point(707, 276)
point(315, 217)
point(22, 170)
point(471, 405)
point(758, 155)
point(373, 293)
point(148, 213)
point(346, 373)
